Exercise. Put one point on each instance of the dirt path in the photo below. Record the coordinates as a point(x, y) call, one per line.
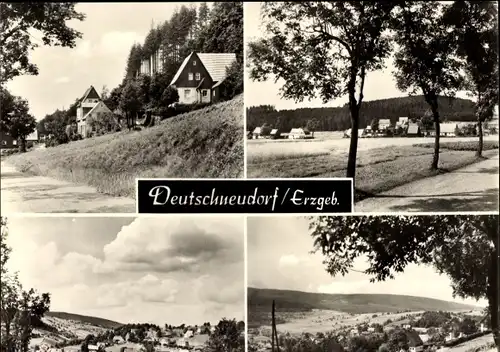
point(23, 193)
point(472, 188)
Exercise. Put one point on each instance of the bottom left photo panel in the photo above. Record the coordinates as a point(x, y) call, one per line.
point(123, 284)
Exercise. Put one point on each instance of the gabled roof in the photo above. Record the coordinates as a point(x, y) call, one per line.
point(413, 129)
point(90, 93)
point(414, 339)
point(215, 64)
point(384, 122)
point(95, 107)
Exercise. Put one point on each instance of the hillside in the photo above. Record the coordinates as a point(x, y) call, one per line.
point(105, 323)
point(206, 143)
point(338, 118)
point(261, 299)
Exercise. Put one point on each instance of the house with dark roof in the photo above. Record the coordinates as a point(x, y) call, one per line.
point(7, 141)
point(415, 343)
point(201, 76)
point(90, 106)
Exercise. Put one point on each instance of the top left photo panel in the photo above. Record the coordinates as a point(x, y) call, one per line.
point(95, 95)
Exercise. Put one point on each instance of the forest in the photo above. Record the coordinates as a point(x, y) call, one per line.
point(216, 29)
point(338, 118)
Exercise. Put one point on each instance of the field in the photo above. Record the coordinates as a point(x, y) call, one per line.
point(298, 309)
point(206, 143)
point(382, 163)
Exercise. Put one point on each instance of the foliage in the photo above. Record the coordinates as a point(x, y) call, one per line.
point(130, 101)
point(433, 319)
point(462, 247)
point(426, 58)
point(19, 308)
point(228, 336)
point(233, 83)
point(461, 146)
point(338, 118)
point(15, 118)
point(103, 123)
point(398, 341)
point(19, 19)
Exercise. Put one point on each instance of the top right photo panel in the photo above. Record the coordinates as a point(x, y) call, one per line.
point(400, 96)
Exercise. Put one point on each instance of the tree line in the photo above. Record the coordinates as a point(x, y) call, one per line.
point(338, 118)
point(325, 50)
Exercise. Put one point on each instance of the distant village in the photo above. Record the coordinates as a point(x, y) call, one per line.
point(404, 127)
point(430, 331)
point(130, 339)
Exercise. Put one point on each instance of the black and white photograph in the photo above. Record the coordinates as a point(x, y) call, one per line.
point(400, 96)
point(122, 284)
point(95, 95)
point(373, 283)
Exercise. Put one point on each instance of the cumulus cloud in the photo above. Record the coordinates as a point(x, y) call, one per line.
point(168, 263)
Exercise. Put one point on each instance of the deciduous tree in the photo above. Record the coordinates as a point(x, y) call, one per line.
point(16, 41)
point(323, 49)
point(15, 118)
point(474, 25)
point(465, 248)
point(426, 58)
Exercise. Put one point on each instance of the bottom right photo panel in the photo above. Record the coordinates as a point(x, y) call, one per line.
point(373, 283)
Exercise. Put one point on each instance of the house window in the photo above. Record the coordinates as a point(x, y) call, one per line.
point(194, 63)
point(4, 142)
point(214, 93)
point(14, 142)
point(190, 76)
point(204, 92)
point(186, 93)
point(198, 76)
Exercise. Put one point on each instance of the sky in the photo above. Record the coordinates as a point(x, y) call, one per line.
point(279, 257)
point(171, 270)
point(98, 59)
point(378, 85)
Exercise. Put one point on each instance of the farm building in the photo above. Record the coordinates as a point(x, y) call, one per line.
point(413, 130)
point(299, 133)
point(201, 76)
point(415, 343)
point(256, 133)
point(448, 129)
point(361, 133)
point(7, 141)
point(275, 133)
point(402, 121)
point(384, 124)
point(188, 334)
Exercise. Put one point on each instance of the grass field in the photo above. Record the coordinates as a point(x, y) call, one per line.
point(206, 143)
point(379, 168)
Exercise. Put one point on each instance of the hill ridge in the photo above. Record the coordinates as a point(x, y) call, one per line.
point(351, 303)
point(97, 321)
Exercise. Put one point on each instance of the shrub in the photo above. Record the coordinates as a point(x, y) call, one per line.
point(461, 146)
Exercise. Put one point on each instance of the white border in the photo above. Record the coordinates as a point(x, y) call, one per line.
point(244, 180)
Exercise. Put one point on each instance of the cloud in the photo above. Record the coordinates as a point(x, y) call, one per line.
point(174, 245)
point(188, 268)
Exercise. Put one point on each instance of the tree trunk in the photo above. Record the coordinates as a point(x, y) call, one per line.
point(435, 114)
point(353, 146)
point(493, 297)
point(479, 151)
point(22, 145)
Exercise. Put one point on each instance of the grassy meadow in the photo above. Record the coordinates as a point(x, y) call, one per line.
point(206, 143)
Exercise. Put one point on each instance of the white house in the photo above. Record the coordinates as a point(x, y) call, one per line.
point(298, 133)
point(384, 124)
point(90, 106)
point(448, 129)
point(188, 334)
point(201, 76)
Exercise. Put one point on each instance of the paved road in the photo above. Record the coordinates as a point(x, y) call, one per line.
point(22, 193)
point(472, 188)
